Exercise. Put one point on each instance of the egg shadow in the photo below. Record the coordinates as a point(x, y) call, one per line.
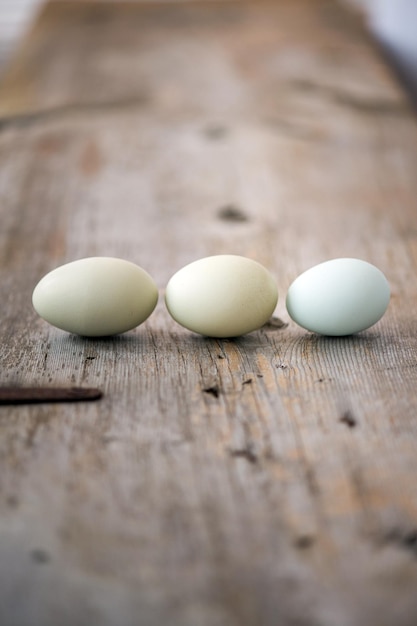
point(73, 348)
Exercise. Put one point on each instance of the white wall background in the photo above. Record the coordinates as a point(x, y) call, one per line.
point(394, 23)
point(15, 17)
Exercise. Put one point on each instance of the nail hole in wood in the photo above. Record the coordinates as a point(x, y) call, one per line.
point(304, 542)
point(245, 453)
point(232, 213)
point(348, 419)
point(213, 391)
point(40, 556)
point(215, 131)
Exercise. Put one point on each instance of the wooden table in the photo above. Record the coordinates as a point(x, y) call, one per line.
point(264, 481)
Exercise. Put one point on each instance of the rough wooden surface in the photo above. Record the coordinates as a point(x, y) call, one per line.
point(265, 481)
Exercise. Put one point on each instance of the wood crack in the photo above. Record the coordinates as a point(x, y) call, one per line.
point(369, 105)
point(23, 120)
point(246, 453)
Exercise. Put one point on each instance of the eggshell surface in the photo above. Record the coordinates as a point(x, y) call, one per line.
point(96, 296)
point(338, 297)
point(222, 296)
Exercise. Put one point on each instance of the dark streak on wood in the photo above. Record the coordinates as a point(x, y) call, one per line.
point(31, 118)
point(34, 395)
point(372, 106)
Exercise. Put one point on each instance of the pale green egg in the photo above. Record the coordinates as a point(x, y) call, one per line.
point(96, 296)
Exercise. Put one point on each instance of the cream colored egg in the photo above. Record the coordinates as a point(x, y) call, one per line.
point(222, 296)
point(338, 297)
point(96, 296)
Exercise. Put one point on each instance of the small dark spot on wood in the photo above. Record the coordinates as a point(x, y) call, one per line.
point(259, 375)
point(232, 213)
point(215, 131)
point(40, 556)
point(245, 453)
point(12, 501)
point(348, 419)
point(248, 381)
point(220, 356)
point(90, 358)
point(91, 161)
point(312, 481)
point(50, 144)
point(410, 540)
point(275, 323)
point(303, 542)
point(214, 391)
point(406, 539)
point(282, 366)
point(107, 439)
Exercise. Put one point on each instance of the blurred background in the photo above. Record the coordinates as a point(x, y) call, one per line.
point(392, 22)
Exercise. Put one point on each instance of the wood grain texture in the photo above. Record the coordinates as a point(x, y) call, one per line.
point(268, 480)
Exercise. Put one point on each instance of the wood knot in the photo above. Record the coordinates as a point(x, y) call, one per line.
point(232, 213)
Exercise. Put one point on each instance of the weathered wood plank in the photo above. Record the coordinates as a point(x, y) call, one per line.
point(267, 480)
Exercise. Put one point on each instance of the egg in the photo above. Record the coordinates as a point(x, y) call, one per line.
point(338, 297)
point(222, 296)
point(96, 296)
